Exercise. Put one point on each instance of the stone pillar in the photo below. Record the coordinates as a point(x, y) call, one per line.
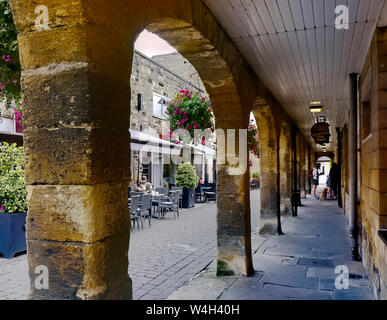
point(233, 201)
point(268, 141)
point(285, 172)
point(76, 91)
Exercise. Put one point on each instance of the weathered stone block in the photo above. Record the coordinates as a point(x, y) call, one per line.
point(81, 270)
point(61, 44)
point(61, 13)
point(73, 95)
point(76, 156)
point(77, 213)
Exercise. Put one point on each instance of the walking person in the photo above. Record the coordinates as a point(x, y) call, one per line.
point(315, 177)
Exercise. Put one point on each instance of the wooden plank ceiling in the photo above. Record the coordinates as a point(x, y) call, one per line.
point(298, 53)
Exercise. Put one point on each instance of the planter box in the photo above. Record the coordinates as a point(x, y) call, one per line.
point(188, 198)
point(12, 234)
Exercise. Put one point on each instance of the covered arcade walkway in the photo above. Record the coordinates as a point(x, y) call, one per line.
point(297, 265)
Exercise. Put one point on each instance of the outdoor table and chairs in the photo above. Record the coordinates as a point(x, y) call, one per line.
point(156, 198)
point(170, 204)
point(142, 205)
point(201, 195)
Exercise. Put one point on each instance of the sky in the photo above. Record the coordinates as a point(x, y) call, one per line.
point(151, 45)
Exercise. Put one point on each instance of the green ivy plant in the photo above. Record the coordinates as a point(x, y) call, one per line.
point(13, 191)
point(186, 176)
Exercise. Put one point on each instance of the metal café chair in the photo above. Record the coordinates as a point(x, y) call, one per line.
point(163, 191)
point(211, 194)
point(170, 204)
point(134, 214)
point(145, 209)
point(181, 194)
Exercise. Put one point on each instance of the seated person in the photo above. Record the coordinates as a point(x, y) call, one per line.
point(145, 185)
point(133, 186)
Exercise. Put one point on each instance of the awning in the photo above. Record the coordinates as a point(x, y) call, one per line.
point(140, 141)
point(146, 143)
point(155, 149)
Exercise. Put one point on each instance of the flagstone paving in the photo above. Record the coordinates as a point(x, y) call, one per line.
point(298, 265)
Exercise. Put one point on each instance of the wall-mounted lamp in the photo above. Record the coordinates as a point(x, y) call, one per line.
point(316, 107)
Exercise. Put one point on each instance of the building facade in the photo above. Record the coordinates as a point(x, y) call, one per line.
point(153, 85)
point(10, 130)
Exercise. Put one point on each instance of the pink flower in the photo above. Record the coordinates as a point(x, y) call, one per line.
point(182, 91)
point(196, 125)
point(203, 99)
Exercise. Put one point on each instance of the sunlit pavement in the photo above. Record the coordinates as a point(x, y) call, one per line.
point(298, 265)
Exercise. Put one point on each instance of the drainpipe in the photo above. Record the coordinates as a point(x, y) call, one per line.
point(309, 168)
point(354, 100)
point(295, 185)
point(279, 226)
point(339, 164)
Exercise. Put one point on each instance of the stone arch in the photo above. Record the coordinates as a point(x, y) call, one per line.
point(330, 155)
point(76, 81)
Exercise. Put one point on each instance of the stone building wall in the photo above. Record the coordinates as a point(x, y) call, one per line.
point(373, 161)
point(181, 66)
point(150, 77)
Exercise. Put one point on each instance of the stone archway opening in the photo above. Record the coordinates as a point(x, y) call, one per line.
point(255, 177)
point(167, 254)
point(76, 81)
point(325, 163)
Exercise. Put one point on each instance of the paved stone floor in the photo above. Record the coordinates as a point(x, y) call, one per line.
point(162, 258)
point(299, 265)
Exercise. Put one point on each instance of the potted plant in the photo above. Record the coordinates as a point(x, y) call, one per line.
point(187, 178)
point(13, 200)
point(256, 179)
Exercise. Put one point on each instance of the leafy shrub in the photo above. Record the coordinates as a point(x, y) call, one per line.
point(186, 176)
point(256, 175)
point(13, 191)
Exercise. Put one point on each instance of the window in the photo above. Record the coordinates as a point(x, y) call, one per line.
point(139, 102)
point(160, 105)
point(365, 119)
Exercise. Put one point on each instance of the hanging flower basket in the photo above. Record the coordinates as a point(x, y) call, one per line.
point(190, 118)
point(253, 139)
